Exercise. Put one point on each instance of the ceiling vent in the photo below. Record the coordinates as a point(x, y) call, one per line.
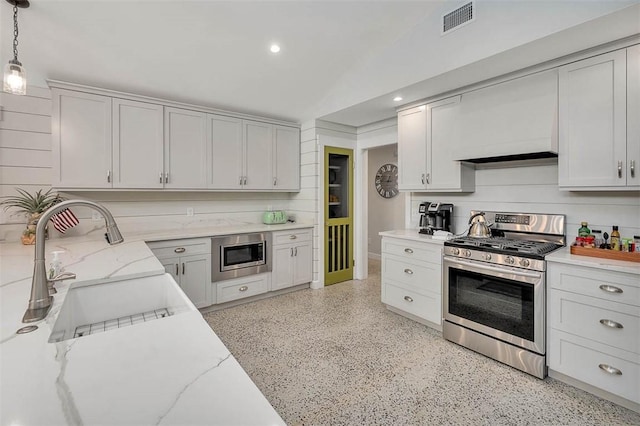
point(458, 18)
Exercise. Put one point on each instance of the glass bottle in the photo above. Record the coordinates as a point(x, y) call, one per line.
point(584, 230)
point(615, 239)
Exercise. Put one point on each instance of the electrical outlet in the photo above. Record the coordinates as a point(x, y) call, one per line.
point(95, 215)
point(189, 211)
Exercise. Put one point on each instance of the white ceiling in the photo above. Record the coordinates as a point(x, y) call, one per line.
point(340, 60)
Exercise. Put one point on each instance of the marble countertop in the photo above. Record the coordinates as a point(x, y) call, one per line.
point(413, 235)
point(564, 256)
point(174, 370)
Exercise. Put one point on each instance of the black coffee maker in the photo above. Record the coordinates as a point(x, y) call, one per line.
point(435, 217)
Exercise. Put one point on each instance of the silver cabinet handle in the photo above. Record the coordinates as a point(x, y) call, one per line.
point(244, 180)
point(160, 177)
point(243, 288)
point(108, 176)
point(428, 177)
point(609, 369)
point(240, 183)
point(177, 269)
point(275, 181)
point(632, 168)
point(619, 169)
point(610, 288)
point(295, 251)
point(292, 237)
point(408, 271)
point(408, 299)
point(166, 177)
point(422, 178)
point(611, 324)
point(291, 254)
point(183, 268)
point(180, 250)
point(408, 250)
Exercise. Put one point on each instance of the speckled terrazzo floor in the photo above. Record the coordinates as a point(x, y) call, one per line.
point(337, 356)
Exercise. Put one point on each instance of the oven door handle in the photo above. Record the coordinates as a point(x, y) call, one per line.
point(493, 269)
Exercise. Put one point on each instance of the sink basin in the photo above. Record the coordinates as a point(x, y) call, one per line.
point(111, 305)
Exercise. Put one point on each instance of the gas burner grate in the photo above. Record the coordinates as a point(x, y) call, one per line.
point(509, 245)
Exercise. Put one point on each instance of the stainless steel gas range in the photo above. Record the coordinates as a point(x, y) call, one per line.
point(494, 288)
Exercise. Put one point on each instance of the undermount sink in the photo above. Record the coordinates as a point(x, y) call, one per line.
point(111, 305)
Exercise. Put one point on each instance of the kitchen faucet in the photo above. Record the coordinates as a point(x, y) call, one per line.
point(40, 300)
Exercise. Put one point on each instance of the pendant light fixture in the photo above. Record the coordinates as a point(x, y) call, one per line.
point(15, 77)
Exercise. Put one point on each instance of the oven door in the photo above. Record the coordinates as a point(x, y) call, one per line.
point(499, 301)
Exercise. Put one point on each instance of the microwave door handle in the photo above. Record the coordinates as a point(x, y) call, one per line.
point(492, 269)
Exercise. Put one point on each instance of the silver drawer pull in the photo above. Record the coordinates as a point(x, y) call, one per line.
point(609, 369)
point(292, 237)
point(243, 288)
point(180, 250)
point(408, 299)
point(408, 271)
point(408, 250)
point(610, 288)
point(610, 323)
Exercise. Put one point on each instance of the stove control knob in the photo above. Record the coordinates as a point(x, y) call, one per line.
point(524, 262)
point(467, 253)
point(510, 260)
point(487, 256)
point(455, 251)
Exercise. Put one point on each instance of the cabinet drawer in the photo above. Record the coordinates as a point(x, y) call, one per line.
point(584, 316)
point(419, 276)
point(293, 236)
point(425, 252)
point(242, 287)
point(426, 306)
point(608, 285)
point(580, 359)
point(180, 247)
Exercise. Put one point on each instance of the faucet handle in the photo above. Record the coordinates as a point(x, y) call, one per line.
point(63, 276)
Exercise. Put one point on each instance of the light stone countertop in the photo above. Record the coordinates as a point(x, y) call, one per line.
point(174, 370)
point(564, 256)
point(412, 235)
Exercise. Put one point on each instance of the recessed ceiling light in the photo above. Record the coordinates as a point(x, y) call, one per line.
point(397, 98)
point(274, 48)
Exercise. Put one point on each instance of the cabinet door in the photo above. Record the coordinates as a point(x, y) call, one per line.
point(226, 152)
point(81, 148)
point(443, 172)
point(185, 149)
point(282, 267)
point(172, 267)
point(286, 158)
point(592, 122)
point(258, 149)
point(195, 278)
point(412, 149)
point(302, 269)
point(137, 144)
point(633, 112)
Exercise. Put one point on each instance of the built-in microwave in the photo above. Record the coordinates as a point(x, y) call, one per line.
point(240, 255)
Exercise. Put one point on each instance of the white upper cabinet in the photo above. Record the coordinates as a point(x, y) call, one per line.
point(258, 151)
point(226, 152)
point(186, 149)
point(427, 137)
point(633, 117)
point(412, 149)
point(81, 143)
point(593, 122)
point(137, 144)
point(286, 158)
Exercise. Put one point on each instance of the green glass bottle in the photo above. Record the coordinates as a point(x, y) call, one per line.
point(584, 230)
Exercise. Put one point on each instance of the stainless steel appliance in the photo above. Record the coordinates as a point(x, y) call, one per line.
point(494, 288)
point(240, 255)
point(435, 217)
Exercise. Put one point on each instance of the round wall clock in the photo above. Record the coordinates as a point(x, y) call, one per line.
point(386, 181)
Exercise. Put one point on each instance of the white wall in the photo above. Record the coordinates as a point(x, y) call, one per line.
point(383, 213)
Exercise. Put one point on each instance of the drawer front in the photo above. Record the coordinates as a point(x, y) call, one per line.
point(180, 247)
point(293, 236)
point(614, 286)
point(413, 250)
point(606, 322)
point(427, 306)
point(577, 358)
point(242, 287)
point(418, 276)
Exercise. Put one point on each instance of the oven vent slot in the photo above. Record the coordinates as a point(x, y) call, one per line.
point(461, 16)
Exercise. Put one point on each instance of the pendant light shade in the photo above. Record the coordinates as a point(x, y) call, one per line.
point(15, 76)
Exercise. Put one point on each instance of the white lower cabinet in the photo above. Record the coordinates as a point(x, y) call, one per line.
point(189, 262)
point(239, 288)
point(292, 257)
point(412, 278)
point(594, 328)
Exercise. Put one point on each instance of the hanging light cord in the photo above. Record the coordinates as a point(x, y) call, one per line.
point(15, 33)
